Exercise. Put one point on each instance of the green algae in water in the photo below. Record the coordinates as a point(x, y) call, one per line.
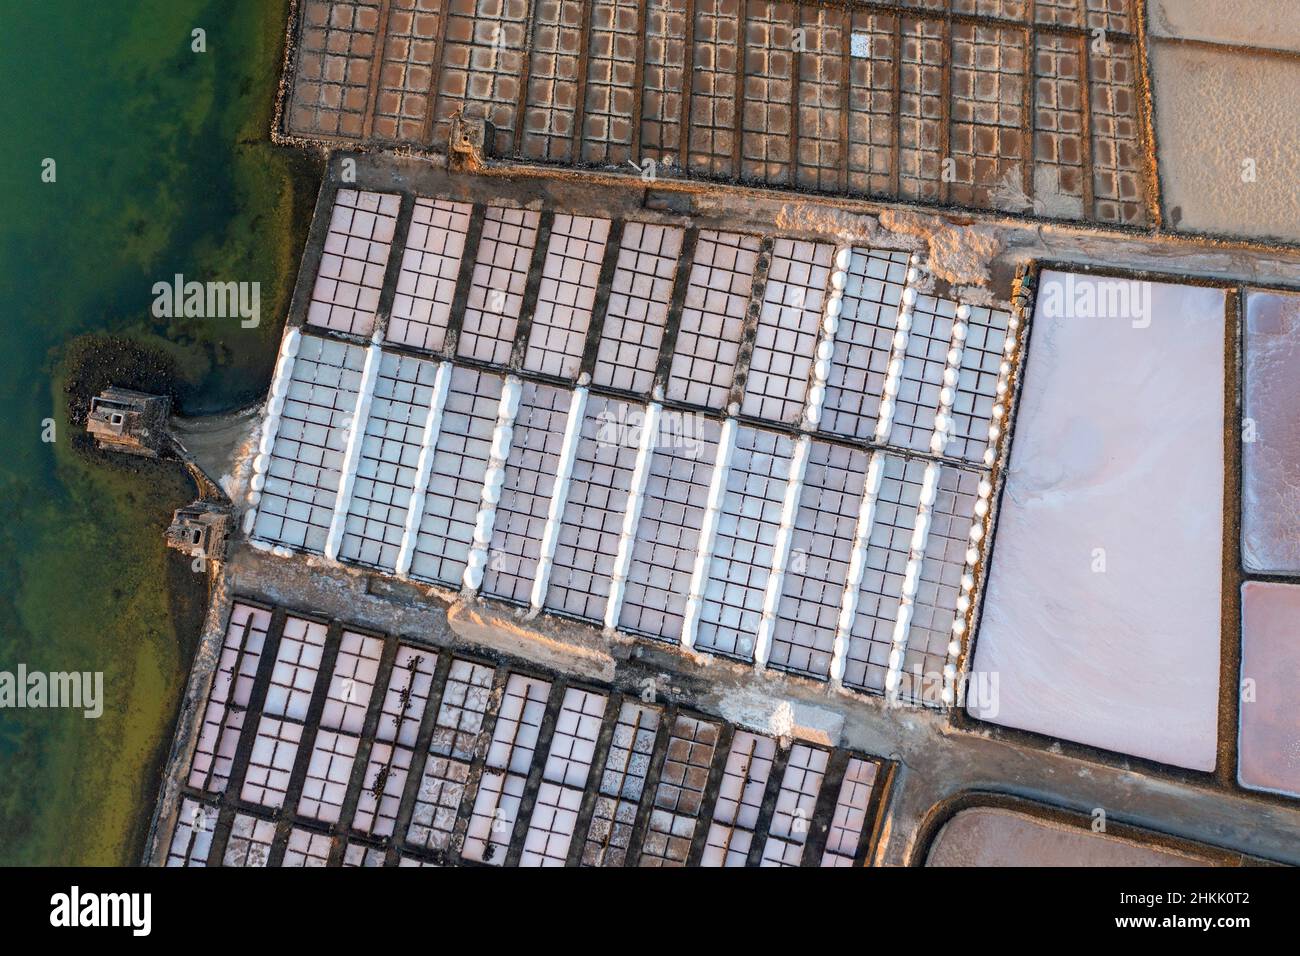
point(163, 166)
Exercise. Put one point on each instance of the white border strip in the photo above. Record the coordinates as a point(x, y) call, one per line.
point(280, 383)
point(493, 479)
point(857, 566)
point(781, 551)
point(360, 415)
point(943, 423)
point(912, 578)
point(898, 354)
point(632, 516)
point(423, 469)
point(559, 497)
point(982, 520)
point(821, 371)
point(708, 531)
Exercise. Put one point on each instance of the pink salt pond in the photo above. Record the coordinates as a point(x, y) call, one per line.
point(1269, 743)
point(991, 836)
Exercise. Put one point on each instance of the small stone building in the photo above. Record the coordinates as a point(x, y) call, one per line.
point(133, 422)
point(200, 530)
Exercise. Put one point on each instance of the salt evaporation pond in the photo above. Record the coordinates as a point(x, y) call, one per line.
point(1103, 605)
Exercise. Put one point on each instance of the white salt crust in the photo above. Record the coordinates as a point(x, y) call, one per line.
point(708, 531)
point(423, 469)
point(493, 479)
point(1114, 451)
point(289, 346)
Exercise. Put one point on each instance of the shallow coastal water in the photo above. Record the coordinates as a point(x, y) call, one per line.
point(162, 166)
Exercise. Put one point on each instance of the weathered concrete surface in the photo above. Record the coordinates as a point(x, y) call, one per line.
point(989, 836)
point(1274, 24)
point(1216, 110)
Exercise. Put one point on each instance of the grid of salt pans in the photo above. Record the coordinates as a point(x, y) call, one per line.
point(402, 104)
point(564, 779)
point(338, 740)
point(821, 75)
point(459, 723)
point(426, 284)
point(381, 789)
point(358, 854)
point(923, 367)
point(863, 341)
point(437, 802)
point(328, 773)
point(509, 757)
point(786, 337)
point(680, 794)
point(664, 78)
point(767, 39)
point(486, 45)
point(270, 764)
point(228, 698)
point(192, 839)
point(460, 716)
point(741, 560)
point(740, 797)
point(351, 767)
point(795, 803)
point(526, 495)
point(566, 295)
point(496, 294)
point(409, 687)
point(871, 101)
point(987, 108)
point(250, 842)
point(637, 311)
point(391, 756)
point(627, 763)
point(352, 682)
point(611, 81)
point(345, 296)
point(280, 728)
point(306, 848)
point(714, 99)
point(459, 465)
point(594, 507)
point(386, 468)
point(713, 318)
point(849, 819)
point(297, 503)
point(883, 569)
point(297, 662)
point(977, 383)
point(922, 57)
point(553, 66)
point(934, 607)
point(668, 532)
point(820, 553)
point(337, 46)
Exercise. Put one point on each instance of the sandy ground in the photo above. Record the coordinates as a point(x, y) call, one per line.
point(1269, 758)
point(1102, 615)
point(1268, 23)
point(985, 836)
point(1215, 110)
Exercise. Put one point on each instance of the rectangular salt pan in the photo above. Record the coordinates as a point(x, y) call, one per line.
point(1270, 452)
point(1269, 744)
point(1101, 619)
